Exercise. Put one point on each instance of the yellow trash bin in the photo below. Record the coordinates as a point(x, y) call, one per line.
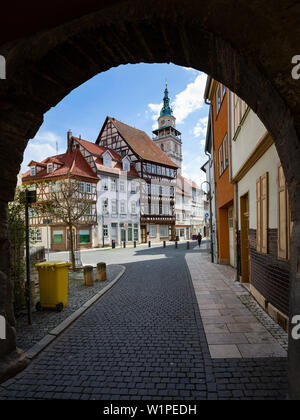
point(53, 283)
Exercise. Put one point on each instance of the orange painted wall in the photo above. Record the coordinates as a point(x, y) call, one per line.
point(224, 189)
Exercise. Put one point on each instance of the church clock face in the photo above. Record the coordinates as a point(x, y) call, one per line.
point(162, 122)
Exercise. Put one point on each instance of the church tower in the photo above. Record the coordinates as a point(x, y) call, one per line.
point(166, 136)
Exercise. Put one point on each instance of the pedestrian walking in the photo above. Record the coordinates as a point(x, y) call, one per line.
point(199, 237)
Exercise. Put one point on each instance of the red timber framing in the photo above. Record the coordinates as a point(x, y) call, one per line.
point(46, 181)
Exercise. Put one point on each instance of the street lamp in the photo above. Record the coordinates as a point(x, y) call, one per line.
point(208, 193)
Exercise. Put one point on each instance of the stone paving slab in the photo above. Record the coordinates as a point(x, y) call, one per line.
point(232, 330)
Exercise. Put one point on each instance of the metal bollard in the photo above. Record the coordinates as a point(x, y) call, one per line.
point(176, 244)
point(88, 275)
point(134, 244)
point(113, 244)
point(101, 271)
point(188, 245)
point(164, 244)
point(124, 244)
point(149, 244)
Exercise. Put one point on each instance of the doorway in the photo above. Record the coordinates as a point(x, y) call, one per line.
point(245, 243)
point(231, 236)
point(144, 234)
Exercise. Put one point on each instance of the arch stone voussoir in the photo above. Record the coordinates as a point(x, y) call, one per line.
point(249, 48)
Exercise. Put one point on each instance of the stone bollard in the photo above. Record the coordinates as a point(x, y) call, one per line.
point(188, 245)
point(101, 272)
point(88, 275)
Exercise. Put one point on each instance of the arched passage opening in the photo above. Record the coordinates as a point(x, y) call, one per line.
point(216, 38)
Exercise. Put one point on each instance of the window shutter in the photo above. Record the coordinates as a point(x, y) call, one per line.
point(258, 216)
point(264, 212)
point(282, 215)
point(221, 160)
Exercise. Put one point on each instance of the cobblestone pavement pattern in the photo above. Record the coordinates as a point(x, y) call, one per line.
point(45, 321)
point(144, 339)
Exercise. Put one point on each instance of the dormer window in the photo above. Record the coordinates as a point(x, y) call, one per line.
point(49, 168)
point(126, 165)
point(33, 170)
point(107, 159)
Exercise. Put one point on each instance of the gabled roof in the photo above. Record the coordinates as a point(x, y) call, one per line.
point(72, 163)
point(140, 143)
point(95, 149)
point(99, 151)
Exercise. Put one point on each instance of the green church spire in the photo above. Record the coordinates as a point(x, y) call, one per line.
point(166, 109)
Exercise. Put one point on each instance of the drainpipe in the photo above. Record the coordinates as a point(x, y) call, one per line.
point(210, 211)
point(236, 188)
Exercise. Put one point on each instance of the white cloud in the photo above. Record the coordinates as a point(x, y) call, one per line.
point(186, 102)
point(47, 137)
point(201, 128)
point(42, 146)
point(190, 99)
point(192, 169)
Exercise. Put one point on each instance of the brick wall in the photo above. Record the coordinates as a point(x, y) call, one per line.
point(269, 275)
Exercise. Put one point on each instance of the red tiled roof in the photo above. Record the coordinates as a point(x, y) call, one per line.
point(72, 163)
point(116, 168)
point(95, 149)
point(185, 182)
point(142, 144)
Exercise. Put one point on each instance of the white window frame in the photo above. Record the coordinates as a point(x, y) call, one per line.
point(49, 168)
point(152, 228)
point(122, 207)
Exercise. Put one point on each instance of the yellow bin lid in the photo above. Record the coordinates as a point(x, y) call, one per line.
point(50, 264)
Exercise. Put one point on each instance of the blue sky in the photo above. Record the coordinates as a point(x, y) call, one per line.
point(132, 94)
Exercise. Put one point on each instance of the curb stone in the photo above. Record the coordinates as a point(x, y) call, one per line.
point(34, 351)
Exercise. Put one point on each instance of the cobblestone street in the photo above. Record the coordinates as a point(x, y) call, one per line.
point(144, 339)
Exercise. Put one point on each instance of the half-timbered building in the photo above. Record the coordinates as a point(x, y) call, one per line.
point(48, 175)
point(118, 192)
point(157, 174)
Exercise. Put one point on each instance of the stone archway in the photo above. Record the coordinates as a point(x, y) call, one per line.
point(248, 47)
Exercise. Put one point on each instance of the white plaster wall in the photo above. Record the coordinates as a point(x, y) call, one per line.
point(267, 163)
point(43, 242)
point(251, 133)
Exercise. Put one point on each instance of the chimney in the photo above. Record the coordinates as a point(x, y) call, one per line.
point(69, 141)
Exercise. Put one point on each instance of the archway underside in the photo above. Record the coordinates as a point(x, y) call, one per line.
point(248, 47)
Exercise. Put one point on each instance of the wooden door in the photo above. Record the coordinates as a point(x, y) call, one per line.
point(144, 234)
point(231, 236)
point(245, 243)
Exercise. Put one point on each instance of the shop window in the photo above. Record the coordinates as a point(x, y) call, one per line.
point(84, 236)
point(58, 236)
point(163, 231)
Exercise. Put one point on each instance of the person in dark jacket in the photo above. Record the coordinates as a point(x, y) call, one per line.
point(199, 238)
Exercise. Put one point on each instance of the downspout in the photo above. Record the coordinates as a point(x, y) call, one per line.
point(210, 210)
point(236, 188)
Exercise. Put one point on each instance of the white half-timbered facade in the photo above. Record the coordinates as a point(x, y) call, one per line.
point(118, 194)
